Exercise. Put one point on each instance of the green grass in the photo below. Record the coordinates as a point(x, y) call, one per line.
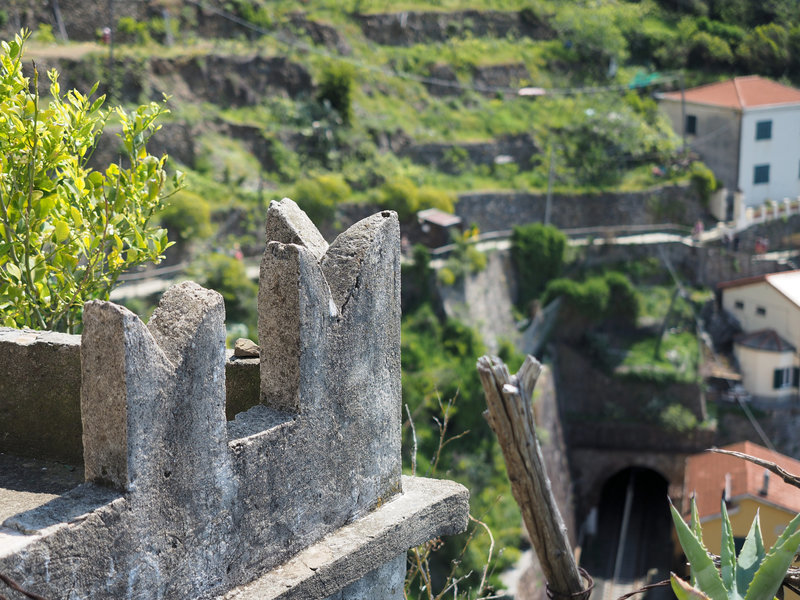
point(676, 360)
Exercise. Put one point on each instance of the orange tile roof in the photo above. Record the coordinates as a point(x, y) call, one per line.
point(705, 477)
point(740, 92)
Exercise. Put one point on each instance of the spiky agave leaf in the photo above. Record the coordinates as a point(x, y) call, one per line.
point(684, 591)
point(704, 572)
point(697, 530)
point(694, 523)
point(727, 557)
point(750, 556)
point(769, 576)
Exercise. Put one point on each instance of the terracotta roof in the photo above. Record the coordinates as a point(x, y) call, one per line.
point(785, 282)
point(765, 339)
point(438, 217)
point(740, 92)
point(705, 477)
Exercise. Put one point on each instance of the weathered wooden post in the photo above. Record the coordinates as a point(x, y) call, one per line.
point(510, 415)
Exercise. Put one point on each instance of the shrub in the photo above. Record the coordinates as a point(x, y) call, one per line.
point(132, 31)
point(678, 418)
point(589, 298)
point(703, 181)
point(44, 34)
point(319, 196)
point(623, 301)
point(538, 253)
point(228, 276)
point(445, 276)
point(187, 216)
point(708, 51)
point(400, 194)
point(765, 50)
point(431, 197)
point(67, 231)
point(336, 89)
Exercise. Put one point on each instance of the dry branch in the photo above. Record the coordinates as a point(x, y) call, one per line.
point(770, 466)
point(510, 416)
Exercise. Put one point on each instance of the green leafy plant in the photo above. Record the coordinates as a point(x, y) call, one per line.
point(538, 253)
point(67, 231)
point(753, 575)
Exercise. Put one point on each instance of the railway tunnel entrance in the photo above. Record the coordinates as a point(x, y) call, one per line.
point(627, 541)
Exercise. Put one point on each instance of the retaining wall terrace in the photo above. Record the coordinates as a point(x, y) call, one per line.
point(499, 211)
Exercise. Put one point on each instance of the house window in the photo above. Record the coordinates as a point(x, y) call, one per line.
point(764, 130)
point(691, 125)
point(782, 378)
point(761, 174)
point(739, 304)
point(761, 311)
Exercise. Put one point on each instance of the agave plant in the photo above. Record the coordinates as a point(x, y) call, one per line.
point(753, 575)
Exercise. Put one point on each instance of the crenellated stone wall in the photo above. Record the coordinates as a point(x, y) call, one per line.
point(300, 495)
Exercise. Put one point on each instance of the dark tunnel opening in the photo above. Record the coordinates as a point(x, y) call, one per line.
point(628, 542)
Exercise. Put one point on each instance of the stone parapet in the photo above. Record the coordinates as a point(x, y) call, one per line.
point(300, 493)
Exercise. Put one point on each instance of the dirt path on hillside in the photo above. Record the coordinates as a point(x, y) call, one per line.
point(73, 51)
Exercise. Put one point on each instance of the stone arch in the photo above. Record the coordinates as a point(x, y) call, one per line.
point(628, 536)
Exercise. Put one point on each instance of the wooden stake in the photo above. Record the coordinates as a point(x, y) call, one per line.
point(510, 415)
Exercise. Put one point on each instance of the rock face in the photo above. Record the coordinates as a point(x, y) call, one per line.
point(299, 496)
point(413, 27)
point(519, 149)
point(237, 80)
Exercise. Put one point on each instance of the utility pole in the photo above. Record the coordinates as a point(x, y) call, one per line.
point(549, 201)
point(59, 21)
point(111, 86)
point(683, 111)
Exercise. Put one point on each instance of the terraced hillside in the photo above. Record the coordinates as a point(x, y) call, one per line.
point(404, 109)
point(347, 104)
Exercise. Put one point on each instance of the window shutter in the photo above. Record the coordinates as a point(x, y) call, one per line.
point(777, 379)
point(796, 377)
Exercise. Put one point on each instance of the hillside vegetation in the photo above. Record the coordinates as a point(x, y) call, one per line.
point(404, 105)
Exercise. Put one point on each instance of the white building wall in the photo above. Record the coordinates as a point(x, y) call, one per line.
point(781, 152)
point(758, 370)
point(780, 313)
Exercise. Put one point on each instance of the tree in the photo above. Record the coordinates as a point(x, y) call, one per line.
point(538, 253)
point(765, 50)
point(67, 231)
point(336, 89)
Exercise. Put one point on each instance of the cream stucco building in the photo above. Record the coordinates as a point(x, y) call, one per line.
point(768, 309)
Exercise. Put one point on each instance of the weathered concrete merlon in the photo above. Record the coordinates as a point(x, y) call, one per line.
point(288, 224)
point(315, 306)
point(142, 388)
point(427, 508)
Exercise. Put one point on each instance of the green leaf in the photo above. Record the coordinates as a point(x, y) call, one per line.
point(728, 552)
point(750, 556)
point(703, 569)
point(684, 591)
point(46, 205)
point(76, 215)
point(62, 231)
point(14, 271)
point(769, 577)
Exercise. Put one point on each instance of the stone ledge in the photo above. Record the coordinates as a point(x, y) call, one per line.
point(427, 508)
